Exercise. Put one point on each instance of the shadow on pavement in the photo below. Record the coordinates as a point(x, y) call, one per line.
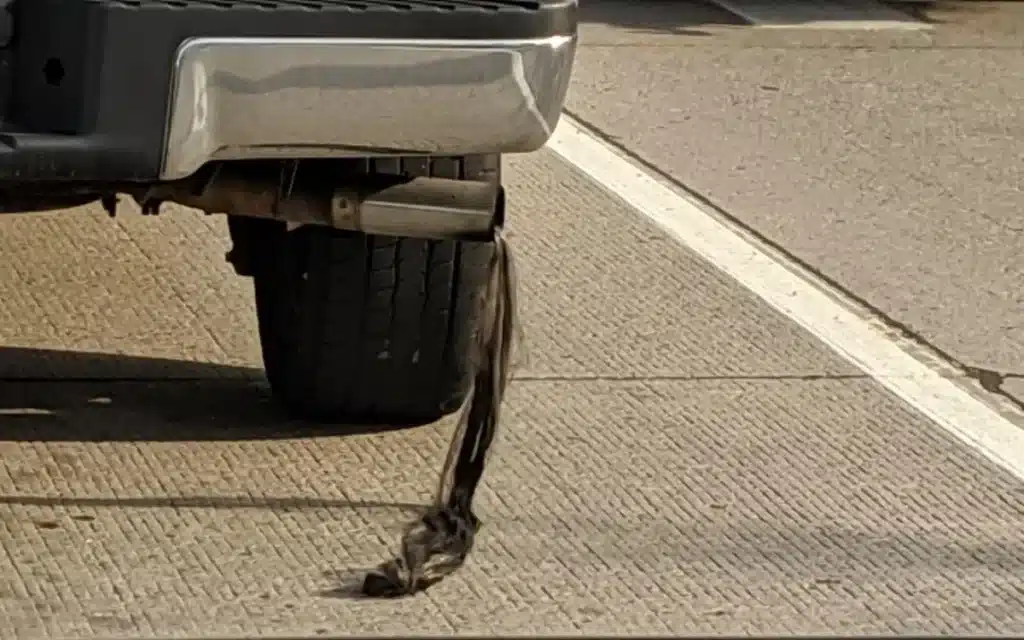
point(680, 17)
point(70, 396)
point(689, 17)
point(939, 12)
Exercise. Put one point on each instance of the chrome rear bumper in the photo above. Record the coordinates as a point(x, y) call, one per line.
point(249, 98)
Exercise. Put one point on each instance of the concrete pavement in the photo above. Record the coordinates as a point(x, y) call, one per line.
point(889, 161)
point(677, 457)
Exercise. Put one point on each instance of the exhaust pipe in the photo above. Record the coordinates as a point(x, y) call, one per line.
point(436, 208)
point(430, 208)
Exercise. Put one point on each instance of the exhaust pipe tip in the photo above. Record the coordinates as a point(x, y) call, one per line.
point(433, 208)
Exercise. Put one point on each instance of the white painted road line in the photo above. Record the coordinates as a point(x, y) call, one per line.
point(827, 14)
point(798, 297)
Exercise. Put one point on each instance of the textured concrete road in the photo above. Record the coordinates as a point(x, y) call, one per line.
point(677, 457)
point(889, 161)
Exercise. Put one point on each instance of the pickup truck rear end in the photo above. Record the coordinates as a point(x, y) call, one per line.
point(354, 144)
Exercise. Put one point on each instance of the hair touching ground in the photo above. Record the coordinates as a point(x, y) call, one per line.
point(438, 542)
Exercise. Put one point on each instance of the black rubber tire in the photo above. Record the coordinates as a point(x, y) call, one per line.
point(368, 329)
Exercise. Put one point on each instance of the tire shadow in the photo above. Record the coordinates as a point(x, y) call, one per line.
point(73, 396)
point(50, 396)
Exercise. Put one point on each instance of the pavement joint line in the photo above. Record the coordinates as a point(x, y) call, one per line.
point(255, 379)
point(808, 301)
point(687, 378)
point(796, 377)
point(256, 382)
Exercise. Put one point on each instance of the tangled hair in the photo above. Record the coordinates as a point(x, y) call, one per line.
point(437, 543)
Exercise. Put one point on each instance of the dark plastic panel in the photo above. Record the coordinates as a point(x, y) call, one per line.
point(87, 81)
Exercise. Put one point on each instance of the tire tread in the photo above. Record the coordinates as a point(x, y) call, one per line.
point(372, 328)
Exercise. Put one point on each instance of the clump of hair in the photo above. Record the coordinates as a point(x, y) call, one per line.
point(438, 542)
